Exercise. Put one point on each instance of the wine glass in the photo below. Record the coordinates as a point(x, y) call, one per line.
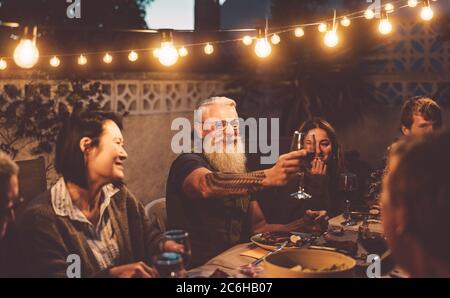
point(170, 265)
point(296, 144)
point(348, 185)
point(181, 237)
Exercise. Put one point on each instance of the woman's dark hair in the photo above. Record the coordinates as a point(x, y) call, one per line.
point(336, 162)
point(419, 185)
point(69, 159)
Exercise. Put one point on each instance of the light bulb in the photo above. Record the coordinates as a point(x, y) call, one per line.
point(322, 27)
point(331, 39)
point(299, 32)
point(275, 39)
point(3, 64)
point(369, 14)
point(345, 22)
point(82, 60)
point(133, 56)
point(156, 53)
point(412, 3)
point(247, 40)
point(426, 13)
point(55, 62)
point(167, 54)
point(107, 58)
point(26, 54)
point(183, 52)
point(389, 8)
point(209, 49)
point(385, 27)
point(263, 48)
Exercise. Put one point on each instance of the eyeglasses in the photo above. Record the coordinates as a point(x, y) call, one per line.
point(221, 124)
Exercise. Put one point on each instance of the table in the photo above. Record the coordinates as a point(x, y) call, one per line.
point(230, 260)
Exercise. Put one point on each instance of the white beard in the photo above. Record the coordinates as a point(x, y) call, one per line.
point(229, 162)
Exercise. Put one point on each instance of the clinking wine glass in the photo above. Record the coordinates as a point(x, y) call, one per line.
point(181, 237)
point(306, 161)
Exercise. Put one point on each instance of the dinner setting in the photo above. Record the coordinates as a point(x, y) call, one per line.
point(205, 141)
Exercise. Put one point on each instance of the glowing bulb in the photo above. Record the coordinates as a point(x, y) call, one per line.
point(167, 54)
point(183, 52)
point(369, 14)
point(345, 22)
point(389, 8)
point(275, 39)
point(209, 49)
point(412, 3)
point(26, 54)
point(107, 58)
point(322, 27)
point(331, 39)
point(385, 27)
point(299, 32)
point(55, 62)
point(247, 40)
point(133, 56)
point(426, 13)
point(82, 60)
point(263, 48)
point(3, 64)
point(156, 53)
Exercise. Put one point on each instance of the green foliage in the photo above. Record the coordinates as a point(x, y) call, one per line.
point(36, 117)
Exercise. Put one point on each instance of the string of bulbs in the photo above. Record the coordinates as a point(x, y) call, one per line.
point(26, 54)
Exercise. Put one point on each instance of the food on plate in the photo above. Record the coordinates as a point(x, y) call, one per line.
point(279, 237)
point(334, 267)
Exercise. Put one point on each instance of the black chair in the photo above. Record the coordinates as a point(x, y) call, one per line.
point(32, 177)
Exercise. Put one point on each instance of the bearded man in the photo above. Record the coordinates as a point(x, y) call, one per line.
point(208, 193)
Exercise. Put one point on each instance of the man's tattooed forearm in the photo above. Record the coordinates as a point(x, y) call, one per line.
point(225, 184)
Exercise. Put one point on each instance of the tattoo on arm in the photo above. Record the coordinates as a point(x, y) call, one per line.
point(226, 184)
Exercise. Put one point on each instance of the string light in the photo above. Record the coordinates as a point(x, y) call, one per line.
point(247, 40)
point(299, 32)
point(345, 22)
point(322, 27)
point(331, 38)
point(133, 56)
point(26, 54)
point(427, 12)
point(275, 39)
point(385, 26)
point(156, 53)
point(107, 58)
point(389, 8)
point(82, 60)
point(55, 62)
point(209, 49)
point(412, 3)
point(183, 52)
point(263, 49)
point(369, 14)
point(3, 64)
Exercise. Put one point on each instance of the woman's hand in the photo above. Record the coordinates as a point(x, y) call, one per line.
point(133, 270)
point(318, 167)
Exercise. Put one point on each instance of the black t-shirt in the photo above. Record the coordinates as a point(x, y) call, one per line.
point(214, 224)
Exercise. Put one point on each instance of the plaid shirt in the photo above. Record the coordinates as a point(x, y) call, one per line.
point(101, 239)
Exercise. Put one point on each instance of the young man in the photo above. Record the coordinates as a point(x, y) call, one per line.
point(419, 116)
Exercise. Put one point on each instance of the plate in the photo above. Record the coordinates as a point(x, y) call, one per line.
point(259, 241)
